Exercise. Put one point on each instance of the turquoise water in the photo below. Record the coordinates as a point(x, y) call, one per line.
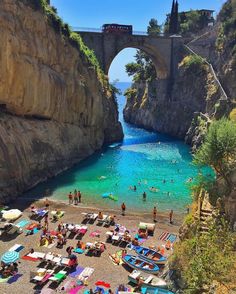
point(144, 159)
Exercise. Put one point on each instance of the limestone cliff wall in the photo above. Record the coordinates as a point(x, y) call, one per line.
point(54, 111)
point(153, 107)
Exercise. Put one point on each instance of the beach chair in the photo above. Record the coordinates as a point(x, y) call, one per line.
point(82, 230)
point(108, 221)
point(93, 217)
point(11, 229)
point(57, 214)
point(101, 221)
point(86, 216)
point(41, 274)
point(58, 277)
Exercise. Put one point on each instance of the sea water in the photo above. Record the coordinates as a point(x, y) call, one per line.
point(144, 159)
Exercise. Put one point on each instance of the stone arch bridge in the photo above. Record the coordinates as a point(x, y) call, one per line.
point(163, 51)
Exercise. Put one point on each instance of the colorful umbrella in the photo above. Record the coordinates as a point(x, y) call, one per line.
point(11, 214)
point(10, 256)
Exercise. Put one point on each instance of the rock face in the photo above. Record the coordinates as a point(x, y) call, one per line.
point(150, 105)
point(54, 111)
point(184, 106)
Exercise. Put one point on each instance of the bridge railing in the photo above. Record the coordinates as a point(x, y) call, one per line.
point(99, 30)
point(92, 30)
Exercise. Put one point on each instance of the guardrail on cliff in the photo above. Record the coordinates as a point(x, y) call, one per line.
point(212, 71)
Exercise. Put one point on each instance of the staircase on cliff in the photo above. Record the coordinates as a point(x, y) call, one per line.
point(201, 40)
point(204, 213)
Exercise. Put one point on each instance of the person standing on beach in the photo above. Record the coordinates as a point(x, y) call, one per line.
point(123, 208)
point(70, 197)
point(79, 196)
point(144, 196)
point(75, 197)
point(171, 216)
point(155, 214)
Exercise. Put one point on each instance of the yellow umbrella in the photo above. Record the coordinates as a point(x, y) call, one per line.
point(11, 214)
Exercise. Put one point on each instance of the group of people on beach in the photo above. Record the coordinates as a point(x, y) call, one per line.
point(74, 198)
point(154, 212)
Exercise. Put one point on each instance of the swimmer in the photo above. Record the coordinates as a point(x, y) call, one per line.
point(164, 181)
point(102, 178)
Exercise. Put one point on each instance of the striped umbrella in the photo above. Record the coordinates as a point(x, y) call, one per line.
point(10, 256)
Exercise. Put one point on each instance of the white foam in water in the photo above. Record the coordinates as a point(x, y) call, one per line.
point(164, 151)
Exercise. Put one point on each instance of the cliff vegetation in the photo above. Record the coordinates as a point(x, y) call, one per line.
point(205, 260)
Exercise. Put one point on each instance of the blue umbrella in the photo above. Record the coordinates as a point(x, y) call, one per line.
point(10, 256)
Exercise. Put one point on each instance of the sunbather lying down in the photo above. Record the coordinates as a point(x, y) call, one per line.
point(116, 259)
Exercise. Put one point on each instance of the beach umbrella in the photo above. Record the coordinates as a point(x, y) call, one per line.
point(10, 256)
point(11, 214)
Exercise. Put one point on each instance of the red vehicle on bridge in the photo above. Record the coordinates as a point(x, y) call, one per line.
point(117, 28)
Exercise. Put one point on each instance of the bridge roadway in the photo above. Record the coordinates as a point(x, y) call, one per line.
point(163, 50)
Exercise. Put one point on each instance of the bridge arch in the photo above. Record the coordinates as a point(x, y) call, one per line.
point(162, 50)
point(159, 63)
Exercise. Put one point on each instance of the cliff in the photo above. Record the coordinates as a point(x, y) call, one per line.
point(55, 109)
point(151, 106)
point(184, 106)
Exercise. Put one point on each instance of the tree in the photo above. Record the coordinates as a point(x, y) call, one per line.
point(143, 69)
point(153, 28)
point(174, 18)
point(219, 149)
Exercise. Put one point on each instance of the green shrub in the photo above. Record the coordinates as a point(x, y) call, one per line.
point(202, 259)
point(193, 63)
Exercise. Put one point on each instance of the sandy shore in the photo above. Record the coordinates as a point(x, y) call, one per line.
point(104, 268)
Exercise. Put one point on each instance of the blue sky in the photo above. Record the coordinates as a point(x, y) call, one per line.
point(94, 13)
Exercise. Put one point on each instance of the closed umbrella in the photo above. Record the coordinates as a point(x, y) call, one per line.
point(10, 256)
point(11, 214)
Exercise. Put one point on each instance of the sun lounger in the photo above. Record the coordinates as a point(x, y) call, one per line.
point(102, 220)
point(82, 230)
point(58, 277)
point(42, 273)
point(57, 214)
point(86, 273)
point(22, 223)
point(65, 261)
point(38, 255)
point(16, 247)
point(39, 213)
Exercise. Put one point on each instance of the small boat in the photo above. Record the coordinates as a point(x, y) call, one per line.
point(150, 255)
point(149, 281)
point(136, 262)
point(148, 290)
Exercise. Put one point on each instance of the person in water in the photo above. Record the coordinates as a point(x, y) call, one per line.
point(144, 196)
point(135, 188)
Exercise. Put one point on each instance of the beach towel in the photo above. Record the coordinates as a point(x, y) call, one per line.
point(4, 280)
point(102, 283)
point(22, 223)
point(172, 238)
point(164, 236)
point(95, 234)
point(141, 240)
point(79, 270)
point(25, 257)
point(14, 278)
point(68, 284)
point(86, 273)
point(79, 250)
point(76, 289)
point(17, 248)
